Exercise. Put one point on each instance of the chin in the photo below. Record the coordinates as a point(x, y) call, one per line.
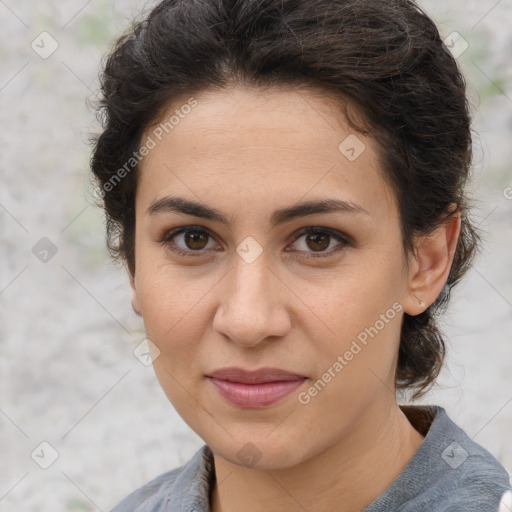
point(253, 452)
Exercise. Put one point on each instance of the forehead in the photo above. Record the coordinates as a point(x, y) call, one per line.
point(277, 143)
point(245, 117)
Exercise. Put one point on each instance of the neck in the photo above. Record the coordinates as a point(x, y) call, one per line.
point(376, 450)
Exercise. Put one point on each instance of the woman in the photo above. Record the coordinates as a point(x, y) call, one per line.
point(285, 183)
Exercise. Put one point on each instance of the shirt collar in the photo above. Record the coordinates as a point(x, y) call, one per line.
point(191, 489)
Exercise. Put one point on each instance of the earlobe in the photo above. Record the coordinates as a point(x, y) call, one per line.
point(135, 299)
point(429, 269)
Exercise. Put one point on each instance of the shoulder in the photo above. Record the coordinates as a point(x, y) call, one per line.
point(191, 480)
point(449, 472)
point(150, 496)
point(462, 475)
point(479, 486)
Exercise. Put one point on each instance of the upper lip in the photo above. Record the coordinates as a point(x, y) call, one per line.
point(255, 376)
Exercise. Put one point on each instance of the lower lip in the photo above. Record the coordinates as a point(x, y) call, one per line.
point(255, 396)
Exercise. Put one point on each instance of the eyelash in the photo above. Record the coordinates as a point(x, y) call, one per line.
point(169, 243)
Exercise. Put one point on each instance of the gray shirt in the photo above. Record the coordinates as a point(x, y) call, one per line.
point(448, 473)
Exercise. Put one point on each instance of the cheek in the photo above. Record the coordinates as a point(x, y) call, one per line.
point(358, 317)
point(172, 305)
point(354, 298)
point(354, 365)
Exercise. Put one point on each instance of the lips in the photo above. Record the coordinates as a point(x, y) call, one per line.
point(254, 389)
point(256, 376)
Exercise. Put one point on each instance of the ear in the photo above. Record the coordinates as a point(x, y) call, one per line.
point(429, 268)
point(135, 299)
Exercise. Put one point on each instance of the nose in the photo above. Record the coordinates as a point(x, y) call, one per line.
point(251, 308)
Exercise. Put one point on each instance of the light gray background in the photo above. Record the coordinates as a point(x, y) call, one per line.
point(68, 375)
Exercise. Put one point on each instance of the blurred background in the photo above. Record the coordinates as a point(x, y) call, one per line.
point(83, 421)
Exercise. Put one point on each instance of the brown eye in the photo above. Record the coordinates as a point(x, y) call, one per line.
point(317, 240)
point(193, 241)
point(196, 239)
point(188, 241)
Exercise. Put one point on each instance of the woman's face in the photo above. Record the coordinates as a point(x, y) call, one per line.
point(251, 288)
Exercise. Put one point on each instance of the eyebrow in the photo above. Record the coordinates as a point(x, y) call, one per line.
point(186, 206)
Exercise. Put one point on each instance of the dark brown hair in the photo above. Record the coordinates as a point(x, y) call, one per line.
point(385, 57)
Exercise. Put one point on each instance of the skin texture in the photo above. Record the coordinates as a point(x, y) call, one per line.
point(247, 152)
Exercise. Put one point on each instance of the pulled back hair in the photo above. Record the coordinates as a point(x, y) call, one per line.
point(385, 57)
